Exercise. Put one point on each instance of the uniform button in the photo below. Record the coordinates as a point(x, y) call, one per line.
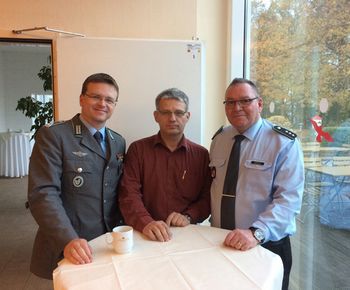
point(107, 167)
point(104, 201)
point(106, 184)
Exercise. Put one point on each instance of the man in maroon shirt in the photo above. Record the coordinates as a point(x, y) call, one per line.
point(166, 179)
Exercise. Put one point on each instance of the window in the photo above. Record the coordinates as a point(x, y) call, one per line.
point(298, 53)
point(42, 98)
point(45, 103)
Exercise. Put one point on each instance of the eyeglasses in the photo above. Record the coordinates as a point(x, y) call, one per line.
point(177, 113)
point(97, 98)
point(242, 103)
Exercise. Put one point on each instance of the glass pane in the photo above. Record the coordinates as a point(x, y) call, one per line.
point(25, 68)
point(299, 56)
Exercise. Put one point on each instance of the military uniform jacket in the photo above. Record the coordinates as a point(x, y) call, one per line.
point(72, 190)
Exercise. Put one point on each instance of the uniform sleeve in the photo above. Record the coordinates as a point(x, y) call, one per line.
point(44, 189)
point(278, 220)
point(130, 192)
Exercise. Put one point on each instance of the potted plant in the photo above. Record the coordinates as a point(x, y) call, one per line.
point(32, 108)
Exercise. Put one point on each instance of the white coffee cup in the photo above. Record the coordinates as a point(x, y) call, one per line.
point(121, 238)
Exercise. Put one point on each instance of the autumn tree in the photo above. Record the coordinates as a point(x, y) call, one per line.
point(300, 54)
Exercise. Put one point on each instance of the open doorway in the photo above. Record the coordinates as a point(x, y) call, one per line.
point(20, 63)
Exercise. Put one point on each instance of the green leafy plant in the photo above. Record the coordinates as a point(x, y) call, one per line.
point(32, 108)
point(45, 74)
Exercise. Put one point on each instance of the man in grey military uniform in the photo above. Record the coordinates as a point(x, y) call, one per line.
point(73, 179)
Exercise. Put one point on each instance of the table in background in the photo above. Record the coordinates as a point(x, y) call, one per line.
point(15, 150)
point(314, 150)
point(194, 258)
point(334, 194)
point(312, 162)
point(333, 171)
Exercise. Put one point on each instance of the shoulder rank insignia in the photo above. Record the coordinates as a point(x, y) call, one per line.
point(284, 132)
point(217, 132)
point(54, 124)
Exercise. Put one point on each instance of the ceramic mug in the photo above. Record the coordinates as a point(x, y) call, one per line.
point(121, 238)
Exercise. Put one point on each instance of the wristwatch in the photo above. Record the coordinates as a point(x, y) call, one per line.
point(258, 234)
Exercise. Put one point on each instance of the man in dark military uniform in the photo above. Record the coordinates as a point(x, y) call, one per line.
point(74, 171)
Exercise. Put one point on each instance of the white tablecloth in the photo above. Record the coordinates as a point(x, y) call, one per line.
point(195, 258)
point(15, 150)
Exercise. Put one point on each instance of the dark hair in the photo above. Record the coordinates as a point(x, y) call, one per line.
point(238, 81)
point(100, 78)
point(174, 94)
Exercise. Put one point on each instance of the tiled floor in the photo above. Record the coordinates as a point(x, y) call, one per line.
point(17, 229)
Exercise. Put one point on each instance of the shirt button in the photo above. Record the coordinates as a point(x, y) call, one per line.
point(104, 201)
point(107, 167)
point(106, 184)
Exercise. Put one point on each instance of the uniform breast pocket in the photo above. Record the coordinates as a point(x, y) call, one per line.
point(77, 176)
point(260, 170)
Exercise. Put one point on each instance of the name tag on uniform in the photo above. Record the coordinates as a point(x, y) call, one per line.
point(255, 162)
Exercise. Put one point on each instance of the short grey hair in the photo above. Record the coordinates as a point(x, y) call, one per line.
point(174, 94)
point(238, 81)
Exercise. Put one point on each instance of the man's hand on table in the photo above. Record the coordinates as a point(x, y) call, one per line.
point(177, 220)
point(241, 240)
point(157, 231)
point(78, 251)
point(160, 231)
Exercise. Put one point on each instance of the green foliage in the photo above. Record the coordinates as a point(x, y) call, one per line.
point(31, 108)
point(45, 74)
point(341, 136)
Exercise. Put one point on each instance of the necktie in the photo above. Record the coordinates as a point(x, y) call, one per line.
point(229, 191)
point(98, 137)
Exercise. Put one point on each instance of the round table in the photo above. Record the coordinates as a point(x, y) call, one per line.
point(15, 150)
